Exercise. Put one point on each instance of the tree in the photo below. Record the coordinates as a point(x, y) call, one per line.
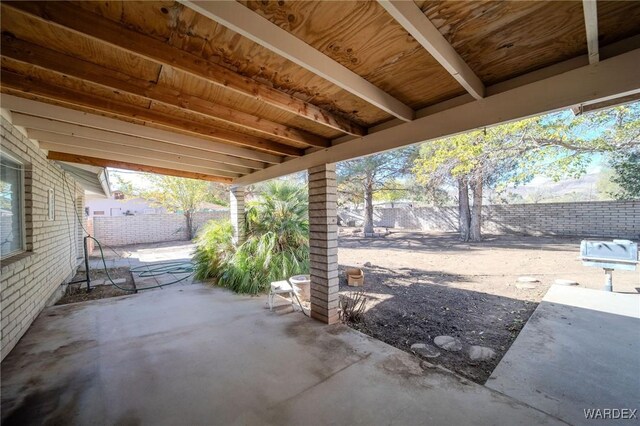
point(372, 174)
point(178, 195)
point(556, 145)
point(626, 176)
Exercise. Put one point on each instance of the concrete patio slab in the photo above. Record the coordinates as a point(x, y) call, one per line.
point(193, 355)
point(579, 350)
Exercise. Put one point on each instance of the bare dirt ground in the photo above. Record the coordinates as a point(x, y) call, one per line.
point(422, 285)
point(78, 292)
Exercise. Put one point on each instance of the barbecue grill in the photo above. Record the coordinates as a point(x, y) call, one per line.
point(609, 255)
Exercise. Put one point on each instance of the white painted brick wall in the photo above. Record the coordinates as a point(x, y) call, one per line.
point(149, 228)
point(31, 280)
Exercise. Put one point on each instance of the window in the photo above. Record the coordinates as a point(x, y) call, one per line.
point(12, 232)
point(98, 212)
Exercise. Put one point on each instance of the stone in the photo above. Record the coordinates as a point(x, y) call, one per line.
point(525, 286)
point(481, 353)
point(448, 343)
point(561, 281)
point(425, 350)
point(367, 265)
point(525, 279)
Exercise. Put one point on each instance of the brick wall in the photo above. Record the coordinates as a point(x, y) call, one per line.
point(148, 228)
point(32, 280)
point(611, 219)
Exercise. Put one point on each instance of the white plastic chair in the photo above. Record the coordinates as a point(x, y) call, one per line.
point(279, 288)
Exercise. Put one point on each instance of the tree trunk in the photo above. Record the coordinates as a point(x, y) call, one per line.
point(368, 209)
point(464, 215)
point(476, 213)
point(189, 220)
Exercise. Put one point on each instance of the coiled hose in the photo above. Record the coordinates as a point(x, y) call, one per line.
point(153, 270)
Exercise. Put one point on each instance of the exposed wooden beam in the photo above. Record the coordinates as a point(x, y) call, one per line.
point(612, 78)
point(591, 26)
point(241, 156)
point(88, 24)
point(101, 162)
point(609, 103)
point(42, 57)
point(35, 86)
point(108, 155)
point(412, 19)
point(174, 157)
point(243, 20)
point(38, 124)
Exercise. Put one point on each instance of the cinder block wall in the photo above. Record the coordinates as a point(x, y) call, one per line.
point(148, 228)
point(611, 219)
point(32, 280)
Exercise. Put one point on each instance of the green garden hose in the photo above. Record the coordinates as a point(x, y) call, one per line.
point(154, 270)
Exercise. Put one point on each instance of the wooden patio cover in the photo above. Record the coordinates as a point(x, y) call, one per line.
point(240, 92)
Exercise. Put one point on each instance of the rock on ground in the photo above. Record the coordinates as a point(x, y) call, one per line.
point(481, 353)
point(425, 350)
point(448, 343)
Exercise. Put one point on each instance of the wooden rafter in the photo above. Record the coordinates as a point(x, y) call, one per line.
point(409, 15)
point(243, 20)
point(33, 54)
point(28, 84)
point(102, 162)
point(88, 24)
point(57, 115)
point(108, 155)
point(61, 128)
point(175, 157)
point(613, 77)
point(590, 8)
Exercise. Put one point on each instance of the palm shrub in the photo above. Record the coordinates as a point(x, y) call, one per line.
point(276, 246)
point(214, 247)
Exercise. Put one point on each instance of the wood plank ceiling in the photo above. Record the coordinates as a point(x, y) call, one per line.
point(192, 96)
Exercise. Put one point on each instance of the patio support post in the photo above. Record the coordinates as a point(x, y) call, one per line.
point(323, 243)
point(236, 205)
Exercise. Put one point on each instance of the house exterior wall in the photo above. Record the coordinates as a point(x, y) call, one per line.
point(150, 228)
point(113, 207)
point(32, 280)
point(611, 219)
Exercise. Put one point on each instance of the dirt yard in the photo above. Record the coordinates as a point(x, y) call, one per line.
point(420, 286)
point(78, 292)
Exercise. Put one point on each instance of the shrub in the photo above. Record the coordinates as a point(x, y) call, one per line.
point(214, 246)
point(276, 246)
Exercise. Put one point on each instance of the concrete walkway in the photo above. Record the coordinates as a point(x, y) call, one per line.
point(580, 350)
point(193, 355)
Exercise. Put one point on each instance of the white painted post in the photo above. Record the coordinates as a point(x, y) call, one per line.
point(323, 242)
point(236, 195)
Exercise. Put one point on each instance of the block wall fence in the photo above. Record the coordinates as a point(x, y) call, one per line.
point(607, 219)
point(33, 279)
point(149, 228)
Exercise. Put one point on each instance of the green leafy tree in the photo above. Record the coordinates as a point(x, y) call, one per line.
point(178, 194)
point(370, 175)
point(627, 177)
point(556, 145)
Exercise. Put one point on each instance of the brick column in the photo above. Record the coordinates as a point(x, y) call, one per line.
point(236, 206)
point(323, 243)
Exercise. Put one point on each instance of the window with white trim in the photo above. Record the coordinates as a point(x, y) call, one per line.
point(12, 229)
